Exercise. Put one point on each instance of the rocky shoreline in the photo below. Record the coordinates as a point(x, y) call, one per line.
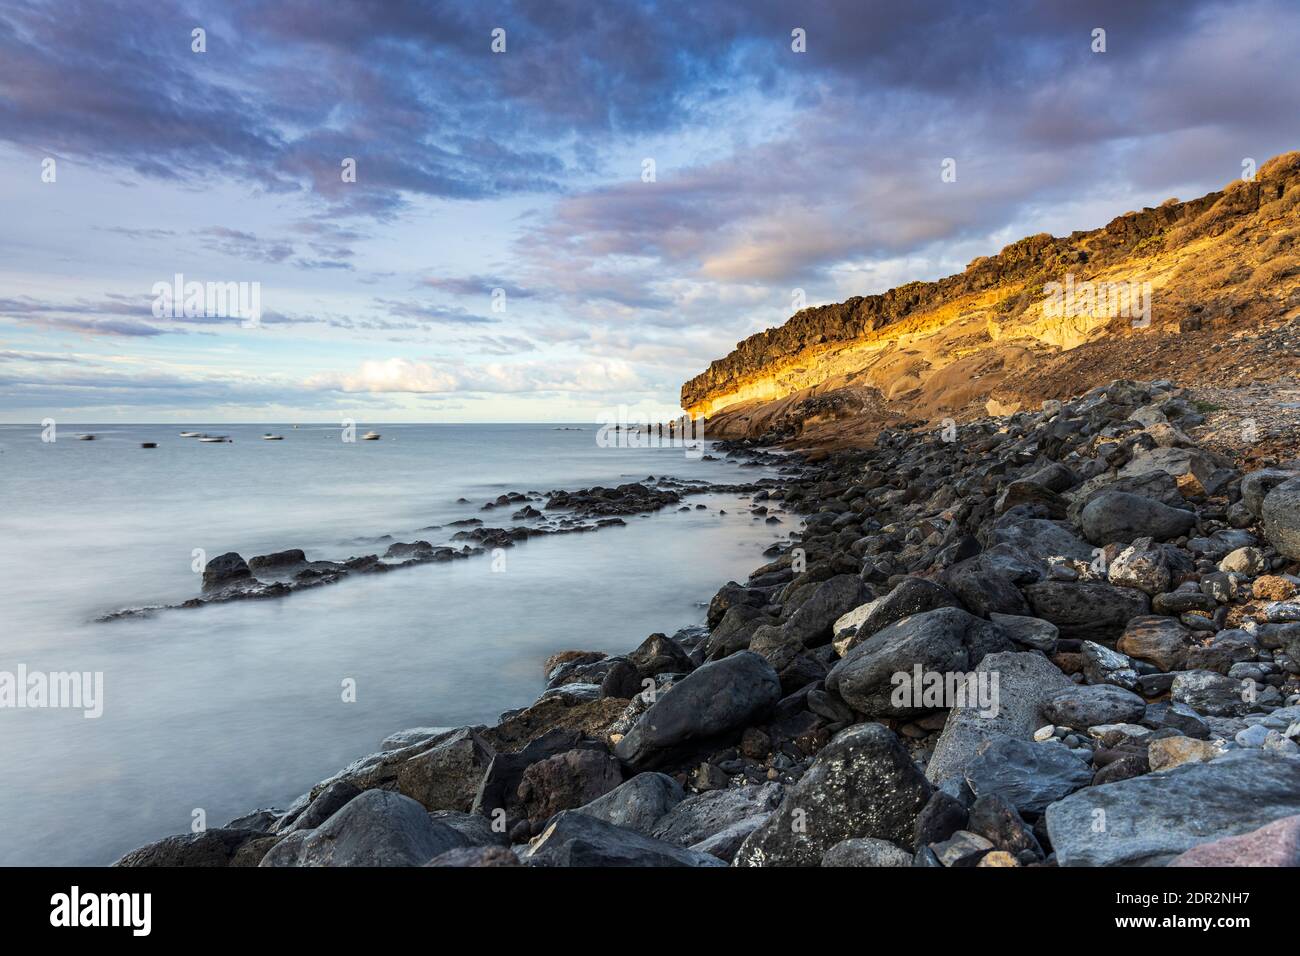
point(229, 577)
point(1064, 637)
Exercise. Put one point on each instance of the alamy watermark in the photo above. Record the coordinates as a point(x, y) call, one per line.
point(625, 427)
point(179, 299)
point(939, 690)
point(1103, 300)
point(64, 690)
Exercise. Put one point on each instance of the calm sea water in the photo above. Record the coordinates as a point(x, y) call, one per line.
point(236, 706)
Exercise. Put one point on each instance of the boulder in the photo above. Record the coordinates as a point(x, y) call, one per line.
point(1031, 632)
point(720, 696)
point(862, 784)
point(1256, 486)
point(866, 852)
point(1086, 610)
point(1026, 774)
point(1117, 516)
point(565, 782)
point(1158, 639)
point(378, 828)
point(1086, 705)
point(1280, 514)
point(1148, 820)
point(327, 803)
point(574, 838)
point(447, 776)
point(1166, 753)
point(1026, 681)
point(944, 640)
point(704, 815)
point(811, 622)
point(214, 847)
point(910, 596)
point(1213, 694)
point(1274, 844)
point(225, 569)
point(638, 803)
point(476, 856)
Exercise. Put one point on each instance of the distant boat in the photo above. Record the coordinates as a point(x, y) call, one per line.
point(370, 436)
point(148, 444)
point(190, 434)
point(85, 438)
point(214, 438)
point(269, 437)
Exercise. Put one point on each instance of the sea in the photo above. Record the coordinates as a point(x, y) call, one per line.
point(207, 713)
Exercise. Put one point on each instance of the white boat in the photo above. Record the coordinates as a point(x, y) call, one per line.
point(189, 434)
point(370, 436)
point(269, 437)
point(215, 438)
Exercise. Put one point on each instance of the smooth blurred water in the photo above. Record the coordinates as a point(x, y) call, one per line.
point(236, 706)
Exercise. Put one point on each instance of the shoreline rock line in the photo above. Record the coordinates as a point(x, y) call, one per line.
point(1129, 600)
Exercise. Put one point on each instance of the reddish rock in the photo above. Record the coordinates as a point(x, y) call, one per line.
point(1275, 844)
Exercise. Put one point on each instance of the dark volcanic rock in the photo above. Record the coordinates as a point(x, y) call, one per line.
point(1117, 516)
point(577, 839)
point(1086, 610)
point(378, 828)
point(1086, 706)
point(215, 847)
point(720, 696)
point(225, 569)
point(909, 596)
point(943, 640)
point(862, 784)
point(638, 803)
point(1027, 774)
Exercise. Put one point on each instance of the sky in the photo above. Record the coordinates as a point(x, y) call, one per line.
point(559, 208)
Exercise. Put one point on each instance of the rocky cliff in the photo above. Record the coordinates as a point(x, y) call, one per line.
point(1154, 292)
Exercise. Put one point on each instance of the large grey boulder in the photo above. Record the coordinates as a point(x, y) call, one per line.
point(1281, 517)
point(1025, 773)
point(1148, 820)
point(719, 696)
point(862, 784)
point(1087, 705)
point(1025, 681)
point(1213, 694)
point(1256, 486)
point(378, 828)
point(574, 838)
point(704, 815)
point(944, 640)
point(1117, 516)
point(637, 803)
point(866, 852)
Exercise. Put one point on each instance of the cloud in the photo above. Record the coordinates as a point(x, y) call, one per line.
point(422, 377)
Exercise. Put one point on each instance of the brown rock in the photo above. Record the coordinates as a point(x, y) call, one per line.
point(1160, 640)
point(1270, 587)
point(998, 858)
point(566, 781)
point(1174, 751)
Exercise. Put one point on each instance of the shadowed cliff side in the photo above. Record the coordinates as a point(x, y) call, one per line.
point(1221, 276)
